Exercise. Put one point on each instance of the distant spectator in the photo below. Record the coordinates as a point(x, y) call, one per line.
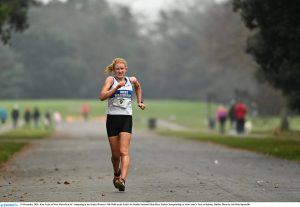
point(231, 115)
point(212, 123)
point(57, 117)
point(221, 116)
point(85, 109)
point(3, 115)
point(36, 117)
point(47, 120)
point(27, 117)
point(15, 115)
point(240, 110)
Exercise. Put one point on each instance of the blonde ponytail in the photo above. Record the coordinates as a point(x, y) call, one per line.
point(110, 68)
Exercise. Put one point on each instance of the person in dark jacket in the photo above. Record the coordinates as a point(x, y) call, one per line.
point(48, 120)
point(15, 116)
point(231, 115)
point(27, 117)
point(36, 117)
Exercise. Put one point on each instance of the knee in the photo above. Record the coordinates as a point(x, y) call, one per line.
point(124, 152)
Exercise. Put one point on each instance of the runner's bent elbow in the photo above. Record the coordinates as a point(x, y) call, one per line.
point(102, 97)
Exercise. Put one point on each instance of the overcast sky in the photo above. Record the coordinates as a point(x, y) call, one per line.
point(149, 8)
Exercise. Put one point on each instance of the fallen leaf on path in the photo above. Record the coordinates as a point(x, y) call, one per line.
point(260, 182)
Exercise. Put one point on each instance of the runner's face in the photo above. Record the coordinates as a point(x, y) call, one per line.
point(120, 70)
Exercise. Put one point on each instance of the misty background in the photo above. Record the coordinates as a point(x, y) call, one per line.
point(192, 50)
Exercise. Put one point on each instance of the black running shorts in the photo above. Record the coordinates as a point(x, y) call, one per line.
point(118, 123)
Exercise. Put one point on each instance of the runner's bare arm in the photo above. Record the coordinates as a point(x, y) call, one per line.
point(107, 91)
point(138, 92)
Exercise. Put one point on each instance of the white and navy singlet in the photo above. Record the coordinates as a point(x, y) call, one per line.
point(120, 102)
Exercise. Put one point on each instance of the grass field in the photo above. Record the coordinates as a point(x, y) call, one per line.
point(282, 146)
point(12, 141)
point(186, 113)
point(191, 114)
point(265, 139)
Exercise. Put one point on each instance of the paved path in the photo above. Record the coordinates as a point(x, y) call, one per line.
point(5, 128)
point(74, 165)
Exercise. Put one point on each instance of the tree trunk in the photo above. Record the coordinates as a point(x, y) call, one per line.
point(284, 122)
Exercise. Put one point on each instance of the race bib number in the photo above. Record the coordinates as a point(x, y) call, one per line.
point(122, 103)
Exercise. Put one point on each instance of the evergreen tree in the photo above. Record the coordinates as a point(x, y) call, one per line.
point(13, 17)
point(275, 42)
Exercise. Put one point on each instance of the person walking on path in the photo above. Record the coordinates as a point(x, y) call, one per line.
point(118, 89)
point(85, 110)
point(222, 115)
point(240, 111)
point(231, 115)
point(36, 117)
point(27, 117)
point(47, 120)
point(3, 115)
point(15, 115)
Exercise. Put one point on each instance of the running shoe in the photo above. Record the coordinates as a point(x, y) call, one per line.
point(120, 184)
point(117, 176)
